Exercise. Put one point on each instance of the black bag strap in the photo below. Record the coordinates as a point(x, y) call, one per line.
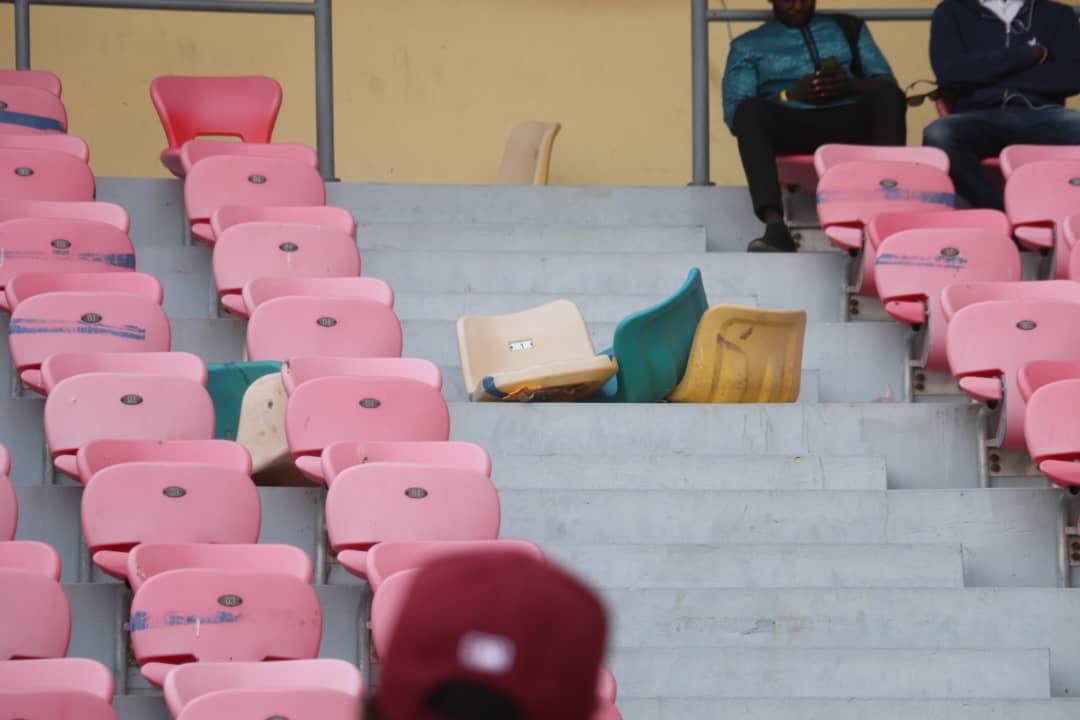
point(851, 26)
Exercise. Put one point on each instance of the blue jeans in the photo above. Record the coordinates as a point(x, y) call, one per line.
point(968, 137)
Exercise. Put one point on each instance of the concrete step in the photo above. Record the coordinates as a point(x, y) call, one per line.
point(513, 237)
point(837, 673)
point(839, 709)
point(910, 618)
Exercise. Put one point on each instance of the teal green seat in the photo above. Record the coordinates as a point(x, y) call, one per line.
point(227, 383)
point(652, 346)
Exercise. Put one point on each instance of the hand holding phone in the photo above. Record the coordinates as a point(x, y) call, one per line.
point(828, 65)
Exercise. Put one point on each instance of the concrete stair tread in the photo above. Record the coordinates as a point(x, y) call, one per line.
point(846, 709)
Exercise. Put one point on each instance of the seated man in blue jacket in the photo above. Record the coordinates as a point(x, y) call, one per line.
point(1010, 65)
point(800, 81)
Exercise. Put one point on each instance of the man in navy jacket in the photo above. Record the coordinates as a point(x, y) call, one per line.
point(1009, 66)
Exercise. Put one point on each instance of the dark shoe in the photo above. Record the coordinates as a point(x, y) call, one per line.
point(777, 238)
point(758, 245)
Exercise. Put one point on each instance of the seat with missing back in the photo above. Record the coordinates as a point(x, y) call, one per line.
point(27, 109)
point(58, 688)
point(34, 174)
point(100, 454)
point(339, 457)
point(1038, 198)
point(329, 216)
point(744, 355)
point(35, 617)
point(544, 353)
point(304, 325)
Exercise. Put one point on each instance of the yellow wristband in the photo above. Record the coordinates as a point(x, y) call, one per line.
point(783, 96)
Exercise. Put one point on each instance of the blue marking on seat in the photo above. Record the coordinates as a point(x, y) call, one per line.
point(42, 326)
point(897, 194)
point(10, 117)
point(121, 260)
point(142, 620)
point(488, 384)
point(926, 261)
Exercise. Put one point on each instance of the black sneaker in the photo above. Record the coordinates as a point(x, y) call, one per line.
point(777, 238)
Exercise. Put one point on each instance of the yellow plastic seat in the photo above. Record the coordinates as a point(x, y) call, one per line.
point(544, 353)
point(527, 157)
point(744, 355)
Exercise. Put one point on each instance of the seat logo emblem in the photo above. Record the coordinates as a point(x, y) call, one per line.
point(326, 322)
point(230, 600)
point(61, 244)
point(520, 345)
point(3, 105)
point(888, 183)
point(91, 318)
point(288, 247)
point(24, 171)
point(1074, 181)
point(131, 399)
point(256, 179)
point(370, 403)
point(1026, 325)
point(174, 492)
point(950, 252)
point(416, 493)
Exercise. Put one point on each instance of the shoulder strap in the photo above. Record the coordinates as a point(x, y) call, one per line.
point(851, 26)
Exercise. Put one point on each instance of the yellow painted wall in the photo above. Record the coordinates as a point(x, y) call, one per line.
point(427, 91)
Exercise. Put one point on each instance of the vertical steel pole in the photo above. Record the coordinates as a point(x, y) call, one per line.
point(324, 87)
point(22, 34)
point(699, 50)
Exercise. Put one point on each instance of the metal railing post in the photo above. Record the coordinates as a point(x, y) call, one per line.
point(22, 34)
point(699, 52)
point(324, 87)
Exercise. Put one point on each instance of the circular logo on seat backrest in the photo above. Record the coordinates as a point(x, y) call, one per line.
point(370, 403)
point(131, 399)
point(61, 244)
point(950, 252)
point(256, 179)
point(174, 492)
point(230, 600)
point(91, 318)
point(326, 322)
point(1027, 325)
point(277, 717)
point(416, 493)
point(1074, 181)
point(288, 247)
point(24, 171)
point(888, 183)
point(3, 105)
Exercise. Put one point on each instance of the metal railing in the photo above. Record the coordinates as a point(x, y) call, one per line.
point(320, 10)
point(700, 17)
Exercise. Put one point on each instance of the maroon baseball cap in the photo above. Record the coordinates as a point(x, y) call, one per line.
point(512, 623)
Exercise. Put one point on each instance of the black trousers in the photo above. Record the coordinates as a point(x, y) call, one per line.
point(766, 129)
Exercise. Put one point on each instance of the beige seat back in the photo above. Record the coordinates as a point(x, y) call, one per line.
point(527, 157)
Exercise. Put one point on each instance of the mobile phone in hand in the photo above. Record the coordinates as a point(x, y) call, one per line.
point(828, 65)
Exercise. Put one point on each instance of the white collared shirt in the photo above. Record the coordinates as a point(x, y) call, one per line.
point(1007, 10)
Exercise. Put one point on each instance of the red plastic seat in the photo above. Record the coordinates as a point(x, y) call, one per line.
point(263, 290)
point(344, 327)
point(70, 144)
point(26, 285)
point(30, 110)
point(405, 502)
point(1014, 157)
point(105, 212)
point(35, 617)
point(261, 249)
point(339, 457)
point(958, 296)
point(100, 454)
point(195, 150)
point(56, 246)
point(59, 367)
point(352, 409)
point(120, 406)
point(30, 174)
point(1038, 198)
point(31, 556)
point(240, 180)
point(1052, 431)
point(217, 615)
point(830, 155)
point(850, 194)
point(1072, 236)
point(883, 225)
point(40, 79)
point(192, 106)
point(989, 342)
point(60, 689)
point(387, 558)
point(58, 322)
point(150, 559)
point(292, 703)
point(329, 216)
point(137, 502)
point(797, 171)
point(297, 370)
point(913, 266)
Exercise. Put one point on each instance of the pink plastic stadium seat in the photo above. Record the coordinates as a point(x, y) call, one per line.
point(5, 460)
point(956, 297)
point(329, 216)
point(190, 107)
point(35, 618)
point(1052, 431)
point(121, 406)
point(109, 213)
point(829, 156)
point(240, 180)
point(1072, 236)
point(188, 683)
point(60, 689)
point(54, 246)
point(61, 366)
point(40, 79)
point(262, 249)
point(124, 505)
point(195, 150)
point(1037, 374)
point(339, 457)
point(292, 703)
point(58, 322)
point(150, 559)
point(70, 144)
point(25, 109)
point(989, 342)
point(9, 509)
point(607, 688)
point(297, 370)
point(1038, 198)
point(29, 174)
point(913, 266)
point(388, 558)
point(1014, 157)
point(217, 615)
point(288, 326)
point(263, 290)
point(100, 454)
point(353, 409)
point(797, 171)
point(26, 285)
point(851, 194)
point(883, 225)
point(36, 557)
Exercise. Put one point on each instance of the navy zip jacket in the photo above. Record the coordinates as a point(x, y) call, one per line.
point(993, 65)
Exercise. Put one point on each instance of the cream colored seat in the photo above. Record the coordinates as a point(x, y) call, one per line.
point(544, 353)
point(527, 157)
point(262, 431)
